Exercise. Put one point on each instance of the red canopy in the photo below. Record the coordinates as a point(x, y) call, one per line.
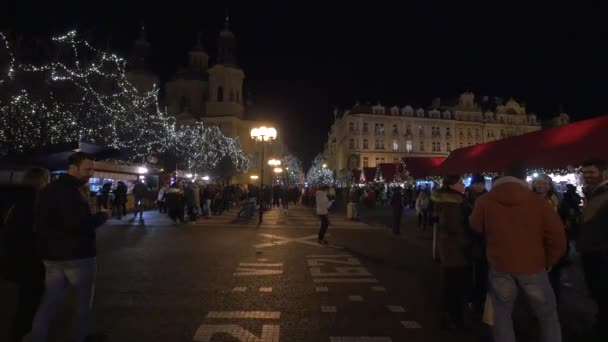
point(388, 171)
point(554, 147)
point(369, 173)
point(421, 167)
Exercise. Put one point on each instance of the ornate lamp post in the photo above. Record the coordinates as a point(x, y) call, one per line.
point(263, 134)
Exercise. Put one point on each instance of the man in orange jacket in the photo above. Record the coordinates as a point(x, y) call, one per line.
point(524, 239)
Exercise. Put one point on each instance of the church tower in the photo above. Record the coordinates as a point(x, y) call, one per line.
point(138, 72)
point(226, 79)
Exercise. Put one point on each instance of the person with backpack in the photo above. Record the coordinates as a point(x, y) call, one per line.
point(24, 266)
point(422, 208)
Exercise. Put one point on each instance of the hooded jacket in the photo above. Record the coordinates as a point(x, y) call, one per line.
point(322, 202)
point(523, 233)
point(64, 223)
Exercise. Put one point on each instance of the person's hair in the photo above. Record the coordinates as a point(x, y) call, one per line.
point(547, 178)
point(450, 180)
point(36, 177)
point(599, 163)
point(77, 158)
point(516, 169)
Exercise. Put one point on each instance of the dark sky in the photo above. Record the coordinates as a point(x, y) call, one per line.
point(302, 60)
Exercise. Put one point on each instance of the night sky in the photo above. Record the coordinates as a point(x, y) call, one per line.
point(301, 61)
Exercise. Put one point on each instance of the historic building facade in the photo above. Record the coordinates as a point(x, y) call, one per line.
point(367, 135)
point(212, 94)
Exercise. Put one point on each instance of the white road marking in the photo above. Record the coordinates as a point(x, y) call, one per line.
point(411, 324)
point(245, 314)
point(341, 272)
point(355, 298)
point(395, 308)
point(205, 332)
point(241, 272)
point(345, 280)
point(239, 289)
point(265, 289)
point(360, 339)
point(283, 240)
point(257, 264)
point(328, 308)
point(326, 261)
point(322, 289)
point(378, 289)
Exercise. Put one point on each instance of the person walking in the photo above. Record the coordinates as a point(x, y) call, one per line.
point(160, 199)
point(322, 203)
point(120, 199)
point(397, 204)
point(423, 203)
point(452, 243)
point(65, 231)
point(191, 197)
point(140, 191)
point(593, 240)
point(24, 266)
point(175, 202)
point(524, 239)
point(478, 249)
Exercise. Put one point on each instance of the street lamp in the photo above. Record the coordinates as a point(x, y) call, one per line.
point(324, 166)
point(263, 134)
point(254, 177)
point(274, 162)
point(277, 170)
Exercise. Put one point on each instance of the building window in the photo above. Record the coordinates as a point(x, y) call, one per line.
point(448, 147)
point(434, 147)
point(468, 132)
point(395, 145)
point(408, 146)
point(379, 144)
point(408, 129)
point(460, 132)
point(477, 132)
point(382, 160)
point(365, 162)
point(447, 132)
point(461, 144)
point(421, 130)
point(220, 94)
point(351, 144)
point(422, 146)
point(351, 126)
point(365, 144)
point(395, 129)
point(365, 127)
point(379, 128)
point(377, 161)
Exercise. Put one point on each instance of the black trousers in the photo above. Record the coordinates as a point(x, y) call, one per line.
point(456, 289)
point(324, 225)
point(162, 208)
point(397, 214)
point(176, 214)
point(29, 294)
point(423, 219)
point(595, 266)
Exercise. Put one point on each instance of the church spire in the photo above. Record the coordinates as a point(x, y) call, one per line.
point(140, 49)
point(227, 45)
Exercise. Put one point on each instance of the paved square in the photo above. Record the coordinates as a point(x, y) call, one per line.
point(321, 289)
point(378, 289)
point(411, 324)
point(265, 289)
point(329, 309)
point(355, 298)
point(239, 289)
point(395, 308)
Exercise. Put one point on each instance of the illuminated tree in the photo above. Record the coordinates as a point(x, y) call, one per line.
point(319, 173)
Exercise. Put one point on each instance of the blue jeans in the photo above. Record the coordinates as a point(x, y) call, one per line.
point(504, 288)
point(81, 275)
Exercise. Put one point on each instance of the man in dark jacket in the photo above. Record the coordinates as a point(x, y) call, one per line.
point(478, 248)
point(397, 204)
point(66, 240)
point(593, 240)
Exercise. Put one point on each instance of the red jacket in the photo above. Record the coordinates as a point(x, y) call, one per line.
point(523, 233)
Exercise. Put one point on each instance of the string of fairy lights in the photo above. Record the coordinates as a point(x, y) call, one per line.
point(80, 93)
point(319, 173)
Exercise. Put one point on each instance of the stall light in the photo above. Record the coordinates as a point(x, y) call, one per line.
point(254, 177)
point(535, 174)
point(142, 177)
point(206, 178)
point(189, 175)
point(142, 170)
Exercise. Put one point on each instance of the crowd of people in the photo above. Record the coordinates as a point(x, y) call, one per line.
point(492, 245)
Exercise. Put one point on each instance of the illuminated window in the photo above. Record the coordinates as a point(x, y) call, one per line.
point(395, 145)
point(408, 146)
point(365, 144)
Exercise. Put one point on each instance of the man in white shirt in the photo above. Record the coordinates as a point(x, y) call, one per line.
point(322, 210)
